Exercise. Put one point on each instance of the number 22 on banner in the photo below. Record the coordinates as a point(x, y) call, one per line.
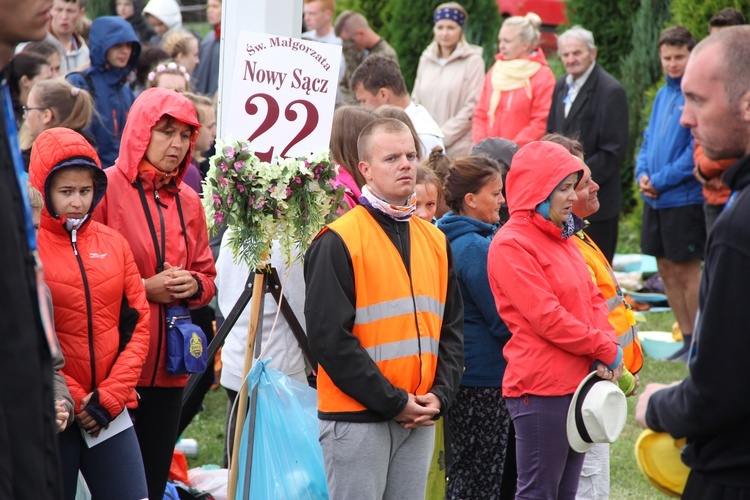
point(272, 117)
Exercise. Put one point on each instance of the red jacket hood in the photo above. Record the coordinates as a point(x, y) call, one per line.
point(536, 170)
point(146, 111)
point(536, 56)
point(58, 148)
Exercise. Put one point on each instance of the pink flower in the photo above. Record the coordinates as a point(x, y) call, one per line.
point(298, 180)
point(230, 152)
point(219, 217)
point(229, 199)
point(288, 191)
point(223, 182)
point(223, 166)
point(217, 200)
point(271, 189)
point(240, 187)
point(238, 165)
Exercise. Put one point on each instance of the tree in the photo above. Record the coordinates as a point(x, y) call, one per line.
point(694, 14)
point(612, 25)
point(483, 27)
point(375, 11)
point(410, 31)
point(97, 8)
point(641, 69)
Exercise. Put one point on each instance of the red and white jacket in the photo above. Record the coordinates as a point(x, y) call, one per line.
point(122, 210)
point(100, 307)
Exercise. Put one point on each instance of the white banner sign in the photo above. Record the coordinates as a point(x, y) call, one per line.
point(283, 94)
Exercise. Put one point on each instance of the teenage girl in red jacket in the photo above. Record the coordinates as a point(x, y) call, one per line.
point(163, 220)
point(101, 316)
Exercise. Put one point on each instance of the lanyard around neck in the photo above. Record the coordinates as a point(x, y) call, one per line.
point(15, 153)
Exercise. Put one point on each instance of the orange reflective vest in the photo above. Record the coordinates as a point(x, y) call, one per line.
point(621, 317)
point(398, 316)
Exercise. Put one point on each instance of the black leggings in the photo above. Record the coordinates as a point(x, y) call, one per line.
point(156, 422)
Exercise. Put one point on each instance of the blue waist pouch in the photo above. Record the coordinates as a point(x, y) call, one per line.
point(187, 349)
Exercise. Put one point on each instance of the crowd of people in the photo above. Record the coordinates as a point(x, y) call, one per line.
point(467, 282)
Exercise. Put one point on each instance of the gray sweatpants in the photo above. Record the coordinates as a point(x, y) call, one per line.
point(374, 461)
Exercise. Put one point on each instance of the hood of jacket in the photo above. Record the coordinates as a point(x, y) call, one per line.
point(106, 32)
point(455, 225)
point(536, 170)
point(536, 56)
point(59, 148)
point(166, 11)
point(146, 111)
point(463, 49)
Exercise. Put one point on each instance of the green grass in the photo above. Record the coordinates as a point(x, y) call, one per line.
point(208, 429)
point(626, 480)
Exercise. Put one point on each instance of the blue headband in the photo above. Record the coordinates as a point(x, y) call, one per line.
point(448, 13)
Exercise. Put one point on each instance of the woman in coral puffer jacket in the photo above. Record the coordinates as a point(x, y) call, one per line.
point(162, 218)
point(101, 315)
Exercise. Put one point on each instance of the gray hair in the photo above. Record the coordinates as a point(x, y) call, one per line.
point(577, 33)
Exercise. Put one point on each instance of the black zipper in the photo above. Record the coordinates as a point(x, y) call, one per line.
point(407, 265)
point(87, 292)
point(162, 317)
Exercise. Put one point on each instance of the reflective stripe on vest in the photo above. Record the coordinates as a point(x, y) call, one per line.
point(397, 307)
point(620, 317)
point(398, 314)
point(409, 347)
point(626, 338)
point(615, 301)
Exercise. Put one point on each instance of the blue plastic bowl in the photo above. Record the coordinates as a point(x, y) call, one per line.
point(658, 345)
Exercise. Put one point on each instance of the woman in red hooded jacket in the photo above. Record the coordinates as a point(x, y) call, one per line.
point(517, 90)
point(101, 316)
point(555, 313)
point(164, 222)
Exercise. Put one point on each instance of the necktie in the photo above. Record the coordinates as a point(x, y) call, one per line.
point(568, 101)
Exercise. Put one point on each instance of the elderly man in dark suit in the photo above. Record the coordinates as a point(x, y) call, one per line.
point(589, 104)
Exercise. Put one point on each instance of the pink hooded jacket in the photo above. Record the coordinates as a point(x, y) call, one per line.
point(542, 288)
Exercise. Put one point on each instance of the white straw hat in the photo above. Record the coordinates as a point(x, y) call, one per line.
point(596, 414)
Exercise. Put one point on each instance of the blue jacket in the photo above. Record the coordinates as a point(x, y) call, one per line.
point(112, 95)
point(485, 334)
point(666, 155)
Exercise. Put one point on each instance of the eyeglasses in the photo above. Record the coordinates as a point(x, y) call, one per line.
point(26, 109)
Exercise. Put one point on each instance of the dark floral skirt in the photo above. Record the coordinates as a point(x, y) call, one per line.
point(478, 421)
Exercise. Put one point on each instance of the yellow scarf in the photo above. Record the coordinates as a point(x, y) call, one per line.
point(510, 75)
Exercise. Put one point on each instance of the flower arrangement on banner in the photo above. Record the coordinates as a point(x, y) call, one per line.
point(288, 200)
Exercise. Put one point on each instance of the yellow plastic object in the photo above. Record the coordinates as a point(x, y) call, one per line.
point(658, 457)
point(676, 332)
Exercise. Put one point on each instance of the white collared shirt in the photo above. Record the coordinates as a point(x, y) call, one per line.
point(574, 86)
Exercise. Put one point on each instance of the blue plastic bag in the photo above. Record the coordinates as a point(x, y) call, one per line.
point(287, 457)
